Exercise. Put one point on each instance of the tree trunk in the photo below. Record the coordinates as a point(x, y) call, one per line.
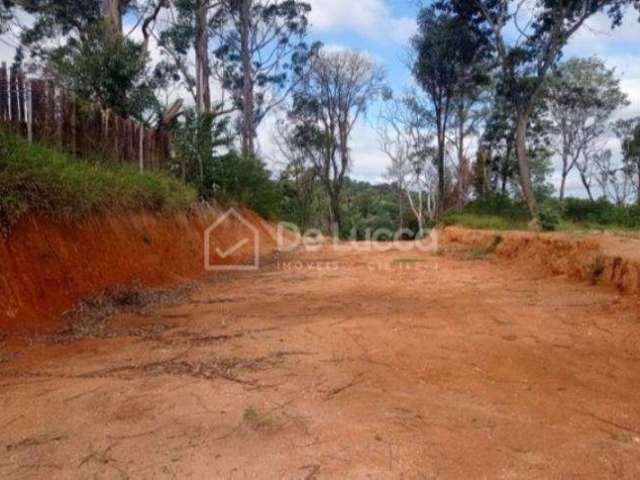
point(334, 212)
point(248, 131)
point(525, 171)
point(441, 179)
point(587, 187)
point(563, 183)
point(400, 207)
point(462, 187)
point(112, 15)
point(417, 212)
point(203, 73)
point(420, 219)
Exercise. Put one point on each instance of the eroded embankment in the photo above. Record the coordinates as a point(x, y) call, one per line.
point(46, 266)
point(597, 259)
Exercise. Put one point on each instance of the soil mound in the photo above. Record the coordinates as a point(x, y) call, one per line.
point(599, 259)
point(48, 265)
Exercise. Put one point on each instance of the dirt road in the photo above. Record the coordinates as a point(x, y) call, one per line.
point(339, 365)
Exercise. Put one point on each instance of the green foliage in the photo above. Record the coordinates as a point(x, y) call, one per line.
point(226, 177)
point(602, 213)
point(197, 140)
point(278, 51)
point(36, 179)
point(247, 180)
point(302, 202)
point(6, 14)
point(365, 208)
point(550, 215)
point(501, 206)
point(57, 19)
point(368, 208)
point(541, 165)
point(107, 69)
point(502, 213)
point(484, 222)
point(449, 56)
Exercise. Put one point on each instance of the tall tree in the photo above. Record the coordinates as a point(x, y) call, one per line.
point(196, 28)
point(616, 181)
point(91, 55)
point(6, 14)
point(112, 11)
point(629, 133)
point(63, 20)
point(262, 55)
point(447, 56)
point(527, 57)
point(203, 69)
point(406, 138)
point(298, 178)
point(334, 95)
point(581, 97)
point(66, 20)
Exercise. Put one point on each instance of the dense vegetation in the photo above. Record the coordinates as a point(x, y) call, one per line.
point(473, 141)
point(41, 180)
point(503, 213)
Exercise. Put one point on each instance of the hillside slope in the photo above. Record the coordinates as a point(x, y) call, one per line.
point(48, 265)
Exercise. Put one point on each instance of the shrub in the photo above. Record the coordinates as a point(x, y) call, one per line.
point(484, 222)
point(601, 212)
point(246, 180)
point(499, 205)
point(550, 215)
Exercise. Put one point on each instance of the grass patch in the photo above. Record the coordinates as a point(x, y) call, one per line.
point(42, 180)
point(574, 216)
point(484, 222)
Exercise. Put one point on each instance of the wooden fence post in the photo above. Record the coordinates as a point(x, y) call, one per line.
point(141, 146)
point(42, 111)
point(29, 111)
point(14, 112)
point(4, 93)
point(20, 96)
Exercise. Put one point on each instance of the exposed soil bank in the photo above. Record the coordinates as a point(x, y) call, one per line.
point(599, 259)
point(339, 364)
point(46, 265)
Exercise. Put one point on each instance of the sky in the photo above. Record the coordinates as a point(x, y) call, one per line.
point(382, 29)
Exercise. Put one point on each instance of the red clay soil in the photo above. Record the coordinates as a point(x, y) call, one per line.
point(602, 259)
point(351, 365)
point(47, 266)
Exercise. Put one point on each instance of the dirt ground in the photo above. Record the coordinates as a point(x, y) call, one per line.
point(382, 365)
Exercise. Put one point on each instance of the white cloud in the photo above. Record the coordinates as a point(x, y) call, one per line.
point(370, 18)
point(369, 162)
point(596, 36)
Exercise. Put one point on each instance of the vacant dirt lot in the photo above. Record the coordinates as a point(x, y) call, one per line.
point(337, 365)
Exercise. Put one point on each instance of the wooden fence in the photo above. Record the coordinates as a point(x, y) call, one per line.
point(44, 112)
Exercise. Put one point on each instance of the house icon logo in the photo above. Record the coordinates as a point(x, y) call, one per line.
point(231, 243)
